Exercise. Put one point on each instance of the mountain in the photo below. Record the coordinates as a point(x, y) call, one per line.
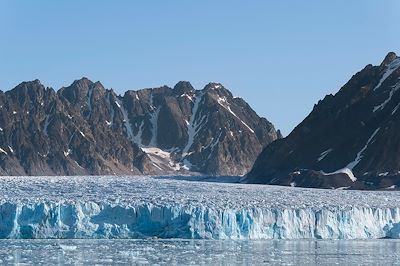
point(87, 129)
point(349, 140)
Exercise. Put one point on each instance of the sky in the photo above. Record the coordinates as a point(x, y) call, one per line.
point(280, 56)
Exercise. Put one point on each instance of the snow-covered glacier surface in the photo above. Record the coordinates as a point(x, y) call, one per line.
point(150, 207)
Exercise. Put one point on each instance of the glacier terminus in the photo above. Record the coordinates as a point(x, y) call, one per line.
point(142, 207)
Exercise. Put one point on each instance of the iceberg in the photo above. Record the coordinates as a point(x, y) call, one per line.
point(150, 207)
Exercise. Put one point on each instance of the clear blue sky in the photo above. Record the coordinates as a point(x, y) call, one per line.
point(280, 56)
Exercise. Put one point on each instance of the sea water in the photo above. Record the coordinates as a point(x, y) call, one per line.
point(200, 252)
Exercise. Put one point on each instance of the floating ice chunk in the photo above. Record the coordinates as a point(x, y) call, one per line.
point(68, 247)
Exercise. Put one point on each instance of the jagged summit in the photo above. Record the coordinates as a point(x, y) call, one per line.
point(28, 84)
point(86, 129)
point(214, 86)
point(82, 81)
point(183, 87)
point(389, 58)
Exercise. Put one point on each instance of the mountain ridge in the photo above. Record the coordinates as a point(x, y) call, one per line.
point(85, 128)
point(349, 140)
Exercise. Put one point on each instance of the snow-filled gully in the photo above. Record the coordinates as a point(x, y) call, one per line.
point(142, 207)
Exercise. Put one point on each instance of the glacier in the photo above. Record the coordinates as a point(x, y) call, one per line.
point(167, 207)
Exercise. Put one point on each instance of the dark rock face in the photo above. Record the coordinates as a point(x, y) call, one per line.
point(351, 135)
point(87, 129)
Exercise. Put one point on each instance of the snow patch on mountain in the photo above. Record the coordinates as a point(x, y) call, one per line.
point(392, 91)
point(3, 151)
point(126, 121)
point(192, 125)
point(187, 165)
point(46, 125)
point(161, 158)
point(345, 171)
point(224, 103)
point(138, 137)
point(67, 152)
point(324, 154)
point(187, 96)
point(396, 108)
point(359, 156)
point(111, 121)
point(154, 127)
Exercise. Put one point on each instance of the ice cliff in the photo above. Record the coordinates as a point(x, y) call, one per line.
point(141, 207)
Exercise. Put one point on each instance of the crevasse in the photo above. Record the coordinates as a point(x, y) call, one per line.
point(75, 219)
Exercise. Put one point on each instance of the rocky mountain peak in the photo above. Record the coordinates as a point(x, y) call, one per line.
point(29, 85)
point(213, 86)
point(389, 58)
point(82, 90)
point(349, 140)
point(217, 91)
point(183, 87)
point(81, 83)
point(28, 91)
